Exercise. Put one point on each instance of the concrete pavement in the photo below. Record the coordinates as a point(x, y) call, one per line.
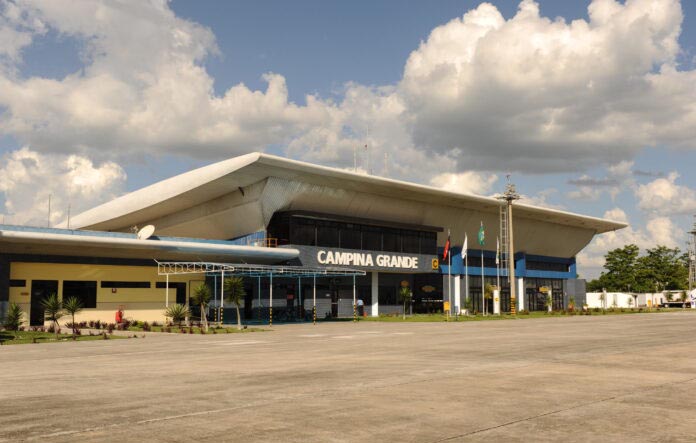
point(599, 378)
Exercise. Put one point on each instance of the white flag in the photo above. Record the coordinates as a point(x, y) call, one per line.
point(465, 247)
point(497, 251)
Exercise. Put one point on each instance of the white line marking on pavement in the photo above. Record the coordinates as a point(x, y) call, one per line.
point(370, 332)
point(312, 335)
point(402, 333)
point(343, 336)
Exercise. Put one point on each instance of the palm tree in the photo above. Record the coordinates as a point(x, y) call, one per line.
point(14, 317)
point(234, 292)
point(53, 310)
point(72, 306)
point(177, 313)
point(201, 297)
point(405, 296)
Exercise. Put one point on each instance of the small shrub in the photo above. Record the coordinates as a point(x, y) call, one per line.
point(146, 327)
point(98, 324)
point(201, 330)
point(104, 336)
point(154, 323)
point(182, 330)
point(190, 331)
point(167, 329)
point(13, 320)
point(91, 323)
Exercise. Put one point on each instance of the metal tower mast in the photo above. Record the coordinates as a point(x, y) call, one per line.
point(508, 197)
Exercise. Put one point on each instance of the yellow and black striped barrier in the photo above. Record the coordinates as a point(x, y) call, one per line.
point(314, 315)
point(355, 313)
point(270, 317)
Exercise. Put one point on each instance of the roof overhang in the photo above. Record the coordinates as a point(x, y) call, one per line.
point(82, 243)
point(209, 182)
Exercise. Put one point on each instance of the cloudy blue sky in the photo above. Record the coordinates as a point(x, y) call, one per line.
point(591, 106)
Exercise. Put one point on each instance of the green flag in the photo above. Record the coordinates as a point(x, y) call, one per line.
point(481, 235)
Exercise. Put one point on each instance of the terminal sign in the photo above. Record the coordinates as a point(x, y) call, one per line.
point(366, 259)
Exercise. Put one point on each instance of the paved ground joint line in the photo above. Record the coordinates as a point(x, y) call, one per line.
point(570, 408)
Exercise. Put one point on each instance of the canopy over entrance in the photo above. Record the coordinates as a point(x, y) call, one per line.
point(258, 271)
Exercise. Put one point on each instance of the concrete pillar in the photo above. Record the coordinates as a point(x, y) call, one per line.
point(375, 294)
point(521, 295)
point(496, 302)
point(457, 295)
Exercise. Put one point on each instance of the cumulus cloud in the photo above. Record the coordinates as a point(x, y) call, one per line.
point(469, 182)
point(658, 230)
point(528, 93)
point(142, 87)
point(665, 196)
point(27, 178)
point(545, 95)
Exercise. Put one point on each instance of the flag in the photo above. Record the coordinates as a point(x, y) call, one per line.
point(465, 247)
point(481, 235)
point(445, 253)
point(497, 251)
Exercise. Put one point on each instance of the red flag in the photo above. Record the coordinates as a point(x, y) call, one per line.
point(447, 247)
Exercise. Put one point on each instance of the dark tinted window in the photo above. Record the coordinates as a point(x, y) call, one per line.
point(546, 266)
point(327, 234)
point(85, 291)
point(303, 233)
point(18, 283)
point(126, 284)
point(391, 241)
point(351, 236)
point(428, 243)
point(410, 242)
point(371, 238)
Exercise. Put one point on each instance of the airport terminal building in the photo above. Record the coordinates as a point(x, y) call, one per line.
point(269, 211)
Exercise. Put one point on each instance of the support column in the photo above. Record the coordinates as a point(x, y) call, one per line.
point(457, 294)
point(375, 294)
point(521, 295)
point(4, 287)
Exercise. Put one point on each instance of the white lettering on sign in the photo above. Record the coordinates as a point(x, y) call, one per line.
point(366, 260)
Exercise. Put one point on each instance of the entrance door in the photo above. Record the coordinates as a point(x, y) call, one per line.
point(40, 290)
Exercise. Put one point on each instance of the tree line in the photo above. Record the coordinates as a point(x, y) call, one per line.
point(660, 268)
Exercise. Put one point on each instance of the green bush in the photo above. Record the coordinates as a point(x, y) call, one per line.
point(14, 317)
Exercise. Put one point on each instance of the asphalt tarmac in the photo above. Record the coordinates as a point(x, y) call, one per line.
point(571, 379)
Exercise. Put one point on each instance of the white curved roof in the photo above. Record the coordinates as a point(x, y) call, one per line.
point(209, 182)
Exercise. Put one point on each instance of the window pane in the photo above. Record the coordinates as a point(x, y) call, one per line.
point(391, 240)
point(410, 242)
point(371, 239)
point(85, 291)
point(327, 234)
point(350, 236)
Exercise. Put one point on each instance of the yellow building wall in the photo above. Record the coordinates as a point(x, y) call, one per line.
point(137, 303)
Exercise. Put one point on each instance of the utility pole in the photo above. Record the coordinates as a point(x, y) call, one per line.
point(509, 196)
point(692, 258)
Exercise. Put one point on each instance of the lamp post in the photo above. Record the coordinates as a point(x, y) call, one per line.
point(509, 196)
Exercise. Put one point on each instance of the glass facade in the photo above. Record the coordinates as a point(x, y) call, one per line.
point(331, 232)
point(536, 300)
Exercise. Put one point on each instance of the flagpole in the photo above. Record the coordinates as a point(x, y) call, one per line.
point(449, 279)
point(481, 239)
point(497, 265)
point(466, 267)
point(483, 286)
